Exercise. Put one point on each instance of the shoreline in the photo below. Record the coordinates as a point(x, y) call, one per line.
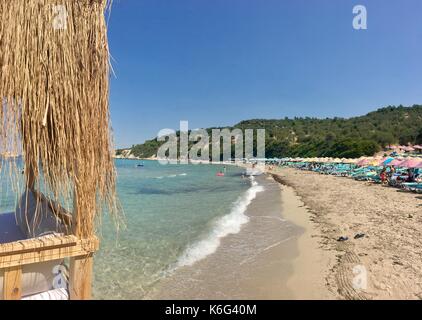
point(273, 256)
point(250, 264)
point(310, 267)
point(289, 250)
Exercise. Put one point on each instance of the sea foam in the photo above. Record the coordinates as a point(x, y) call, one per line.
point(172, 176)
point(228, 224)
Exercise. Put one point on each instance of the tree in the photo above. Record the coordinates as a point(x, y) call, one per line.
point(418, 139)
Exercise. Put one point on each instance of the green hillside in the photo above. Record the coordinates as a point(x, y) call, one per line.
point(331, 137)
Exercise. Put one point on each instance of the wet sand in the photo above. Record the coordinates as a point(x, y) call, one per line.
point(311, 266)
point(274, 256)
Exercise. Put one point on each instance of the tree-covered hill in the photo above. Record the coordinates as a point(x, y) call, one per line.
point(331, 137)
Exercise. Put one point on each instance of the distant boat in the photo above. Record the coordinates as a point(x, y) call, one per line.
point(140, 165)
point(220, 174)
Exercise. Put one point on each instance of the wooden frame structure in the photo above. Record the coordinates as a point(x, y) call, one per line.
point(14, 255)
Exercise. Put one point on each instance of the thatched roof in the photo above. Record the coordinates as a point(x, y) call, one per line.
point(54, 94)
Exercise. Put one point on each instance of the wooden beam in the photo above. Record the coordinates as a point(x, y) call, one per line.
point(80, 282)
point(80, 271)
point(35, 251)
point(41, 243)
point(12, 281)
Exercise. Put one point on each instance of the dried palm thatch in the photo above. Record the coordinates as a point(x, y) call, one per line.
point(54, 90)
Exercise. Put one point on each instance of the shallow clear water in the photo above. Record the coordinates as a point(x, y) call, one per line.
point(170, 210)
point(175, 215)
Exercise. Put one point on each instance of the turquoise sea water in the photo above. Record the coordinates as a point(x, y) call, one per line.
point(173, 218)
point(175, 215)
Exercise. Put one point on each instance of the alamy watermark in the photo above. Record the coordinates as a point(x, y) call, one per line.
point(360, 19)
point(60, 17)
point(196, 145)
point(60, 277)
point(360, 280)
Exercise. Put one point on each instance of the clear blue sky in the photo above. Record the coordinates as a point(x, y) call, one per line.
point(217, 62)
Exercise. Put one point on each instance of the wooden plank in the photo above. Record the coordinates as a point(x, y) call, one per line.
point(12, 281)
point(80, 282)
point(37, 243)
point(83, 247)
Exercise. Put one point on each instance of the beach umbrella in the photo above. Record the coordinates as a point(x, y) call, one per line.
point(352, 161)
point(410, 163)
point(380, 161)
point(363, 162)
point(407, 149)
point(396, 162)
point(54, 112)
point(386, 161)
point(55, 96)
point(375, 162)
point(360, 162)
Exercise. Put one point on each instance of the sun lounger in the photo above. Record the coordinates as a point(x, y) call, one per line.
point(413, 186)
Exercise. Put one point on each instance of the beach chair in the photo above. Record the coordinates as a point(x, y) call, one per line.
point(413, 186)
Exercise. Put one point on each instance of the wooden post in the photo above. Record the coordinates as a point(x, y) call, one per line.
point(80, 273)
point(12, 283)
point(80, 286)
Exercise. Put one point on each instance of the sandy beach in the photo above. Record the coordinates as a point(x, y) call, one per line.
point(275, 256)
point(289, 247)
point(308, 279)
point(384, 264)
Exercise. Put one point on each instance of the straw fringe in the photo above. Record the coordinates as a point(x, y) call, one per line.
point(54, 90)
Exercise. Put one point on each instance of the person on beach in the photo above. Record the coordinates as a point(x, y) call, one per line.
point(410, 175)
point(383, 175)
point(390, 174)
